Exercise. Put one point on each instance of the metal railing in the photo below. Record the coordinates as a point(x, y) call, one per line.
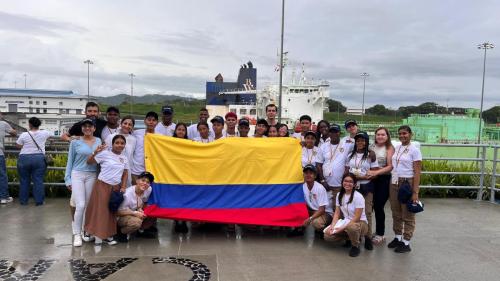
point(482, 172)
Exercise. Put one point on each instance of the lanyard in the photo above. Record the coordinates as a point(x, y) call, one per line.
point(309, 158)
point(400, 154)
point(356, 163)
point(332, 153)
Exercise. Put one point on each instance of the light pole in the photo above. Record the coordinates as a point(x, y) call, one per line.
point(364, 75)
point(484, 46)
point(88, 62)
point(132, 75)
point(25, 75)
point(281, 59)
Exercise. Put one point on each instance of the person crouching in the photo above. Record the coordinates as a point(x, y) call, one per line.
point(131, 217)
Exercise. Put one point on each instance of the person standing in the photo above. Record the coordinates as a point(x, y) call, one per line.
point(138, 166)
point(331, 160)
point(231, 121)
point(5, 129)
point(91, 112)
point(218, 127)
point(261, 129)
point(204, 132)
point(272, 132)
point(351, 127)
point(360, 162)
point(166, 127)
point(283, 130)
point(203, 118)
point(31, 164)
point(322, 134)
point(407, 162)
point(309, 151)
point(126, 129)
point(350, 207)
point(180, 131)
point(384, 151)
point(271, 112)
point(305, 126)
point(243, 128)
point(80, 176)
point(112, 122)
point(99, 221)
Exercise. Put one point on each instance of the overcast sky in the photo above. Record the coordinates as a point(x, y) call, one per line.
point(414, 51)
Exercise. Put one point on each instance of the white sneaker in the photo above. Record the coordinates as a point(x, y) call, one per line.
point(98, 241)
point(110, 241)
point(77, 240)
point(6, 200)
point(87, 238)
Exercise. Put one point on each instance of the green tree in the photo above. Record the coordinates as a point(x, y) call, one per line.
point(492, 115)
point(379, 109)
point(335, 106)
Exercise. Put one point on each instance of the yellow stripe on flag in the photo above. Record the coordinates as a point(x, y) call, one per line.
point(225, 161)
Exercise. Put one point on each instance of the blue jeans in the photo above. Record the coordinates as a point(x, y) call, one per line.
point(31, 167)
point(4, 188)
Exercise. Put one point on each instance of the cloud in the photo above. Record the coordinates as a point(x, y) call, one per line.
point(36, 26)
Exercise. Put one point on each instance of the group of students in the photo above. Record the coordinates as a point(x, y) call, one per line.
point(345, 179)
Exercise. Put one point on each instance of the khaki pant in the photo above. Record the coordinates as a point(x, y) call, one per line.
point(129, 224)
point(368, 211)
point(321, 222)
point(403, 221)
point(353, 232)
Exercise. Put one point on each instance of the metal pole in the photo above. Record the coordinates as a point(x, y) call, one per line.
point(131, 92)
point(481, 177)
point(88, 62)
point(281, 59)
point(494, 175)
point(485, 46)
point(25, 80)
point(364, 75)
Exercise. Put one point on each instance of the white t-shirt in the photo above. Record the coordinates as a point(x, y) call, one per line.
point(5, 129)
point(403, 159)
point(199, 139)
point(138, 165)
point(321, 141)
point(317, 197)
point(112, 166)
point(193, 131)
point(129, 146)
point(333, 157)
point(309, 156)
point(29, 147)
point(348, 143)
point(106, 131)
point(359, 166)
point(227, 135)
point(298, 136)
point(130, 199)
point(348, 209)
point(165, 130)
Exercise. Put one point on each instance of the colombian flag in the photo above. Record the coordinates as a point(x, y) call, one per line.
point(232, 180)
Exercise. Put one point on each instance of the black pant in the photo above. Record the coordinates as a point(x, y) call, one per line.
point(380, 196)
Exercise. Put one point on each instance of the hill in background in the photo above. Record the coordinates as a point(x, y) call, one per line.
point(146, 99)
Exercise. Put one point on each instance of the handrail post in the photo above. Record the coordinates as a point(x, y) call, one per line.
point(494, 174)
point(481, 177)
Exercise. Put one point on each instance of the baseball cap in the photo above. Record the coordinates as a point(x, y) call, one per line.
point(334, 128)
point(87, 121)
point(363, 135)
point(167, 109)
point(113, 109)
point(243, 122)
point(147, 175)
point(218, 119)
point(309, 167)
point(231, 114)
point(349, 122)
point(310, 133)
point(415, 207)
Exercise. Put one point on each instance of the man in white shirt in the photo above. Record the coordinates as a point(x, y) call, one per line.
point(319, 208)
point(5, 129)
point(192, 130)
point(138, 165)
point(131, 217)
point(305, 126)
point(113, 122)
point(166, 127)
point(351, 127)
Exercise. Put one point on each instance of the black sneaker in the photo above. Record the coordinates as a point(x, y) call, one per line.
point(181, 227)
point(121, 238)
point(403, 248)
point(394, 243)
point(145, 234)
point(354, 252)
point(368, 244)
point(347, 244)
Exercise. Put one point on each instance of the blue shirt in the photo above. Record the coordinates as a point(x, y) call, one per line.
point(78, 154)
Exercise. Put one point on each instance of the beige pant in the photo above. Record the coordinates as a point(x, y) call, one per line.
point(129, 224)
point(321, 222)
point(403, 221)
point(353, 232)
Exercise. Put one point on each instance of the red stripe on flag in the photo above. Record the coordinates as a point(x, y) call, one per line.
point(291, 215)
